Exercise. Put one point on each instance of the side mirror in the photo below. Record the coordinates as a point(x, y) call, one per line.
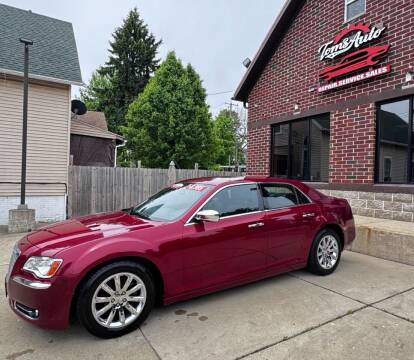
point(208, 215)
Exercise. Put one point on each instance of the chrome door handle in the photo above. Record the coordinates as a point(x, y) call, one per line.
point(256, 225)
point(308, 215)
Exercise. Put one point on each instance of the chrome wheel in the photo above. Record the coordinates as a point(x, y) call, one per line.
point(328, 252)
point(119, 300)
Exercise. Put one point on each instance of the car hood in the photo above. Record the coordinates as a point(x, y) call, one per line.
point(67, 233)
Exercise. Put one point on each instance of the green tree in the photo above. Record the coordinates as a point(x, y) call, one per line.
point(224, 139)
point(131, 62)
point(95, 95)
point(170, 119)
point(228, 138)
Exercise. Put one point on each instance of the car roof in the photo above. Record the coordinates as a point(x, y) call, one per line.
point(215, 181)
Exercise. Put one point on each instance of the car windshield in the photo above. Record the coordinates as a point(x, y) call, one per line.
point(171, 203)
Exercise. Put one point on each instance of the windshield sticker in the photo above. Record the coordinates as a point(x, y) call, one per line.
point(177, 186)
point(196, 187)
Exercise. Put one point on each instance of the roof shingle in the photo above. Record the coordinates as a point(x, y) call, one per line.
point(95, 118)
point(53, 54)
point(79, 127)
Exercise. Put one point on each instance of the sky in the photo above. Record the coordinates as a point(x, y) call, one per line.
point(215, 36)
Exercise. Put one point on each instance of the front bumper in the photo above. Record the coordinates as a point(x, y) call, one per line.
point(45, 304)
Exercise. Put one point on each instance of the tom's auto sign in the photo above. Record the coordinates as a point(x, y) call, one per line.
point(358, 56)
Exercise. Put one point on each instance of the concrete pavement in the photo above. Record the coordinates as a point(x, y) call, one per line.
point(365, 310)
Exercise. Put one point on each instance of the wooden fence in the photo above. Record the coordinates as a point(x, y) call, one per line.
point(98, 189)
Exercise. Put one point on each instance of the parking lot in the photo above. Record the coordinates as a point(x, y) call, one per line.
point(365, 310)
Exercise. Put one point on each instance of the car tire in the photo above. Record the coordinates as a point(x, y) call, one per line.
point(321, 256)
point(127, 309)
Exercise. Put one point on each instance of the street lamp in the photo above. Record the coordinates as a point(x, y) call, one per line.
point(26, 43)
point(23, 219)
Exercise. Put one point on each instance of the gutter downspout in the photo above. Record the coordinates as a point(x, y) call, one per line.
point(116, 151)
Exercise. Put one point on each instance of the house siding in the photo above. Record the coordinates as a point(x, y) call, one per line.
point(47, 145)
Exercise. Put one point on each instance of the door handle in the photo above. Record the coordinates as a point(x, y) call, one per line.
point(256, 225)
point(308, 215)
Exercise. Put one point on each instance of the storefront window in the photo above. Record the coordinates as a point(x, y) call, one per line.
point(320, 129)
point(280, 150)
point(393, 160)
point(301, 149)
point(412, 144)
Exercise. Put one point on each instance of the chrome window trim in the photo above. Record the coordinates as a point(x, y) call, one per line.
point(286, 207)
point(191, 218)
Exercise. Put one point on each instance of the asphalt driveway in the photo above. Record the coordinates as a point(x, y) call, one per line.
point(365, 310)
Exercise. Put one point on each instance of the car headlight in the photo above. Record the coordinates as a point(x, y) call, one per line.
point(42, 267)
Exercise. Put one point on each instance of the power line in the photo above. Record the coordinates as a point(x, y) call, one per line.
point(220, 93)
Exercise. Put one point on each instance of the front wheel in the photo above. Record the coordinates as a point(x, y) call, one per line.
point(325, 253)
point(116, 299)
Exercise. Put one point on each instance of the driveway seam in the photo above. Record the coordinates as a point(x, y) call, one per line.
point(351, 312)
point(390, 313)
point(391, 296)
point(150, 345)
point(328, 289)
point(372, 305)
point(286, 338)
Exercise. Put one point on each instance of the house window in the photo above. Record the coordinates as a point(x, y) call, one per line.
point(300, 149)
point(395, 142)
point(354, 8)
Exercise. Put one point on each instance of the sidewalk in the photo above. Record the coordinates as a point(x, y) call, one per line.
point(365, 310)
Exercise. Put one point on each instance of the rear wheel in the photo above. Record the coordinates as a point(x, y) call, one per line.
point(325, 253)
point(116, 299)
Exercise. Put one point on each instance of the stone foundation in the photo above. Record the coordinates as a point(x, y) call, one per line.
point(379, 205)
point(21, 219)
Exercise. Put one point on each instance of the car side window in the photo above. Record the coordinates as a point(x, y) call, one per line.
point(234, 200)
point(277, 196)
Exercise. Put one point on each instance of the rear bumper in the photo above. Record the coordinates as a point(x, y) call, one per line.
point(45, 304)
point(349, 233)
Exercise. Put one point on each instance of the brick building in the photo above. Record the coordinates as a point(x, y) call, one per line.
point(330, 97)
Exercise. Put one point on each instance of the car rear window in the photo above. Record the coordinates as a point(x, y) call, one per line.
point(278, 196)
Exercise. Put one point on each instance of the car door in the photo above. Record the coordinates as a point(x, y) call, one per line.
point(228, 250)
point(291, 221)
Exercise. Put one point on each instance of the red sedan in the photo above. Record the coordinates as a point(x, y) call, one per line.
point(190, 239)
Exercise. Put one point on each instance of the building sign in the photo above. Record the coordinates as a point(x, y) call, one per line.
point(351, 45)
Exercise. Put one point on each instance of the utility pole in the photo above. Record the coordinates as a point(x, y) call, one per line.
point(26, 43)
point(236, 155)
point(23, 219)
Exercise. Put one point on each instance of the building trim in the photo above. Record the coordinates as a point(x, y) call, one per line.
point(272, 40)
point(377, 188)
point(41, 77)
point(317, 110)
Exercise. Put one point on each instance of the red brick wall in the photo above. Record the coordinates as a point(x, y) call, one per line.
point(294, 67)
point(352, 148)
point(258, 151)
